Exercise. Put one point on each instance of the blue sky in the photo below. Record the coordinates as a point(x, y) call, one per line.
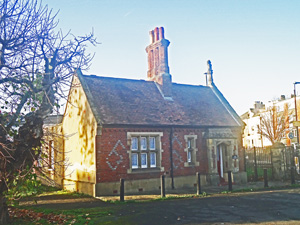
point(254, 45)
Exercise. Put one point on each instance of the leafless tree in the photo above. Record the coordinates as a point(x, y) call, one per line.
point(36, 62)
point(274, 123)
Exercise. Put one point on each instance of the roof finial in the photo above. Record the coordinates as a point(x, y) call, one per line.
point(209, 74)
point(209, 65)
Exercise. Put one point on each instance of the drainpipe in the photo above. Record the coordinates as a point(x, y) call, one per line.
point(98, 134)
point(171, 157)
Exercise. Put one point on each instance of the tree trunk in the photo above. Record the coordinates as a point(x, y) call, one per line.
point(4, 216)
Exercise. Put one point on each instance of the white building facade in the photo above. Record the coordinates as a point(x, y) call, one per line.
point(252, 136)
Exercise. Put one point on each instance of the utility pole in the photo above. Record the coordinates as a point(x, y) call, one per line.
point(296, 116)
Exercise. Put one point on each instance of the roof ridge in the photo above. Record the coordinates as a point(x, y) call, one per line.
point(116, 78)
point(139, 80)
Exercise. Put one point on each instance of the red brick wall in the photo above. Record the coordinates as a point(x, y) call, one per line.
point(180, 156)
point(111, 166)
point(116, 138)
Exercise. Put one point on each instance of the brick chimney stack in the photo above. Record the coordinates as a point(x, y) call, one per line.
point(158, 68)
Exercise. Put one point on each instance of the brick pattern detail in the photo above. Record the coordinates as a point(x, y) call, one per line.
point(114, 164)
point(112, 159)
point(177, 159)
point(175, 139)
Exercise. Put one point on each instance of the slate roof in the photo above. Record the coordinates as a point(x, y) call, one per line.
point(117, 101)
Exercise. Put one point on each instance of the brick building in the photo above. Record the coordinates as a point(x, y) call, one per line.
point(138, 130)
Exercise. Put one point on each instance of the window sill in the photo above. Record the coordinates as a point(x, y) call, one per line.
point(145, 170)
point(191, 164)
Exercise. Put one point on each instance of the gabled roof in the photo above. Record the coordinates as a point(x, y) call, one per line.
point(117, 101)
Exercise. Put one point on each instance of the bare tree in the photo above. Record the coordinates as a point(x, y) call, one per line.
point(36, 63)
point(274, 124)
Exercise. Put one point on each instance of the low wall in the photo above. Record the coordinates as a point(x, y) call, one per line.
point(152, 186)
point(147, 186)
point(240, 177)
point(78, 186)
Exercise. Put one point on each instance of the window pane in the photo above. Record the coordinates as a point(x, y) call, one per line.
point(134, 143)
point(144, 160)
point(134, 161)
point(189, 156)
point(152, 143)
point(143, 143)
point(189, 143)
point(153, 159)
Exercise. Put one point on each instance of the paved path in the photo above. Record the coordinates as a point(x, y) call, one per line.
point(265, 207)
point(280, 207)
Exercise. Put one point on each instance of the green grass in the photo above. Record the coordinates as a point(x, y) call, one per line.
point(100, 215)
point(260, 173)
point(204, 194)
point(169, 197)
point(72, 216)
point(45, 188)
point(295, 185)
point(65, 192)
point(109, 215)
point(23, 222)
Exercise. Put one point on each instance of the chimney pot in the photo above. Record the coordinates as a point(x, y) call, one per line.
point(156, 33)
point(161, 33)
point(151, 33)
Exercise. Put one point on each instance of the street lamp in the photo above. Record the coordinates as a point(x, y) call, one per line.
point(296, 110)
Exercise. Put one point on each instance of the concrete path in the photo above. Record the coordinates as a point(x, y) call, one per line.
point(265, 206)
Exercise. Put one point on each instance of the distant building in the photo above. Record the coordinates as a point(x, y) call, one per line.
point(139, 130)
point(252, 136)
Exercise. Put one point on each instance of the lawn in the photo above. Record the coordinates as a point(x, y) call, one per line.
point(61, 207)
point(30, 215)
point(43, 209)
point(260, 173)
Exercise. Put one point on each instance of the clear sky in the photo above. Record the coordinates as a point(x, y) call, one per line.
point(254, 45)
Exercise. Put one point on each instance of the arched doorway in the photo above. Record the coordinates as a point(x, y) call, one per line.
point(221, 157)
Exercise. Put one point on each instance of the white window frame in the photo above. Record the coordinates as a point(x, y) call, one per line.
point(191, 150)
point(146, 162)
point(156, 148)
point(189, 158)
point(143, 141)
point(153, 165)
point(134, 147)
point(150, 141)
point(137, 161)
point(189, 143)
